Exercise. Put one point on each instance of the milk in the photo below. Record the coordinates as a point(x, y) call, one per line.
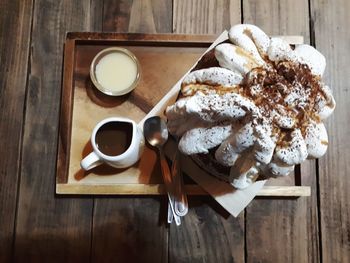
point(116, 72)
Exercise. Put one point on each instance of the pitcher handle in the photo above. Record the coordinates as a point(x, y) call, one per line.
point(90, 161)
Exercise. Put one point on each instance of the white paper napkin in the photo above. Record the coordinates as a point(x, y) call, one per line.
point(233, 200)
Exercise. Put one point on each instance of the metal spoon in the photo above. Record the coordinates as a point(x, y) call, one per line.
point(156, 133)
point(181, 204)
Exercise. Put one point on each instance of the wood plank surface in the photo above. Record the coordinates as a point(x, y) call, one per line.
point(132, 229)
point(330, 21)
point(49, 229)
point(138, 16)
point(38, 226)
point(15, 25)
point(127, 229)
point(288, 225)
point(208, 233)
point(309, 208)
point(205, 16)
point(278, 17)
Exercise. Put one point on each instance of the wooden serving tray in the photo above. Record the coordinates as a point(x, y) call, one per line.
point(164, 59)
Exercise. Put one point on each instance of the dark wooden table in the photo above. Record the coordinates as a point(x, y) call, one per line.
point(36, 225)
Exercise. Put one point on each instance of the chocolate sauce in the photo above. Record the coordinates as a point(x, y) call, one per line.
point(114, 138)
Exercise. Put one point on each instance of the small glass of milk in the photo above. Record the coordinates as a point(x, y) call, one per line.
point(115, 71)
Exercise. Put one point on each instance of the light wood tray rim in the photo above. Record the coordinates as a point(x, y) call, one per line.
point(158, 189)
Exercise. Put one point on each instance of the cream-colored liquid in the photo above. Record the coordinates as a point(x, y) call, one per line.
point(116, 72)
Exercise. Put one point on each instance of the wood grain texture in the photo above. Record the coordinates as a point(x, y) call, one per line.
point(64, 139)
point(276, 231)
point(132, 229)
point(15, 25)
point(308, 171)
point(142, 16)
point(49, 229)
point(330, 20)
point(273, 226)
point(278, 17)
point(205, 16)
point(208, 233)
point(129, 230)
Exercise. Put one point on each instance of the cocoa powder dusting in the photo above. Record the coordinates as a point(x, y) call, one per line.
point(286, 87)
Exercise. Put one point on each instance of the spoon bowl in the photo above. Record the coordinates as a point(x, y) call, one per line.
point(155, 131)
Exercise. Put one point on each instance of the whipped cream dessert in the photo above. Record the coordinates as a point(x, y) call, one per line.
point(259, 111)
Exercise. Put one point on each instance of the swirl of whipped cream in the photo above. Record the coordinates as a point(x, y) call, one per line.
point(209, 78)
point(261, 111)
point(236, 58)
point(280, 50)
point(250, 38)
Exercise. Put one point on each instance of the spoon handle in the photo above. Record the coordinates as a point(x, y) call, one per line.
point(168, 184)
point(170, 214)
point(181, 203)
